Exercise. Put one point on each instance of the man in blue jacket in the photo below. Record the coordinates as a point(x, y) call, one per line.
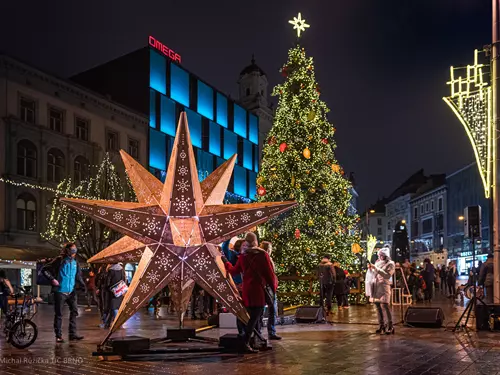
point(64, 272)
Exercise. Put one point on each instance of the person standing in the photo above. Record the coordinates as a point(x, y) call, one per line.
point(63, 272)
point(271, 299)
point(437, 278)
point(91, 294)
point(383, 269)
point(452, 279)
point(100, 284)
point(347, 289)
point(428, 273)
point(339, 286)
point(115, 282)
point(486, 278)
point(326, 277)
point(443, 276)
point(5, 291)
point(257, 269)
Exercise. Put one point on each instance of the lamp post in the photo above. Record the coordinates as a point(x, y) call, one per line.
point(496, 116)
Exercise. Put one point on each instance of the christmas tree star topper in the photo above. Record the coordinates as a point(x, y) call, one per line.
point(299, 24)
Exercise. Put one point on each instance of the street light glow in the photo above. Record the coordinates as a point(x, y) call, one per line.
point(461, 218)
point(372, 211)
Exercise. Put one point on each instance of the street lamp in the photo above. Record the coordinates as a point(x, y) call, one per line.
point(461, 218)
point(372, 211)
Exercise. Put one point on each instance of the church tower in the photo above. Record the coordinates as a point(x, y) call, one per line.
point(253, 94)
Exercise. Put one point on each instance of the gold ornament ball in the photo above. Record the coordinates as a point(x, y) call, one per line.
point(309, 137)
point(307, 172)
point(310, 222)
point(312, 190)
point(311, 116)
point(332, 243)
point(306, 153)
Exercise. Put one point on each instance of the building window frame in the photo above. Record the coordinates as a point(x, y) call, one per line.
point(26, 212)
point(133, 148)
point(81, 169)
point(27, 159)
point(52, 121)
point(82, 128)
point(421, 209)
point(432, 205)
point(440, 204)
point(56, 163)
point(112, 139)
point(415, 213)
point(27, 114)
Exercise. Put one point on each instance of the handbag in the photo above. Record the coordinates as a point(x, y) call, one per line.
point(119, 289)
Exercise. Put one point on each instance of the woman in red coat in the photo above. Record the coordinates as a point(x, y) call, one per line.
point(257, 270)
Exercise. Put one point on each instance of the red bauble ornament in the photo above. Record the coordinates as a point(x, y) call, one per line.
point(261, 191)
point(314, 100)
point(325, 141)
point(297, 233)
point(284, 73)
point(283, 147)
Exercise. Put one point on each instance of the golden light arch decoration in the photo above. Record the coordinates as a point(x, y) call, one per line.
point(471, 101)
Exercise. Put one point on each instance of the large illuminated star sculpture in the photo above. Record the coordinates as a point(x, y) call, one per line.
point(299, 24)
point(174, 230)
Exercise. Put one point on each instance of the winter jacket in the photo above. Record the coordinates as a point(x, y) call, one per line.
point(452, 276)
point(486, 273)
point(428, 274)
point(339, 287)
point(90, 282)
point(257, 270)
point(52, 271)
point(383, 271)
point(326, 273)
point(115, 274)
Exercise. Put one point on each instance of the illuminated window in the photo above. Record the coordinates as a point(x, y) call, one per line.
point(179, 85)
point(194, 121)
point(157, 72)
point(240, 121)
point(152, 108)
point(240, 181)
point(230, 144)
point(157, 150)
point(252, 178)
point(214, 139)
point(205, 100)
point(221, 110)
point(204, 163)
point(247, 154)
point(254, 130)
point(167, 116)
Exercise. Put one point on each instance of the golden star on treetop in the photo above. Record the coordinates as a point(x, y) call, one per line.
point(299, 24)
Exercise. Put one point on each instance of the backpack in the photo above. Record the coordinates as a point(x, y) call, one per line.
point(41, 279)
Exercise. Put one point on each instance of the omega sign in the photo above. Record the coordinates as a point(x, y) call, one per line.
point(164, 49)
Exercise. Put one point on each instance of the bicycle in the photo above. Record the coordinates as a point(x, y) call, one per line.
point(19, 329)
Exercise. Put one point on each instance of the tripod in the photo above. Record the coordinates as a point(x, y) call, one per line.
point(471, 305)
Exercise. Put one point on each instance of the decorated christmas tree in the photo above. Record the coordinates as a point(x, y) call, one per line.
point(67, 225)
point(299, 163)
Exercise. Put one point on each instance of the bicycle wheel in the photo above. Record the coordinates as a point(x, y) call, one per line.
point(23, 333)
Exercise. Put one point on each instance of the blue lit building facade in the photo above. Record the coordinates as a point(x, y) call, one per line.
point(160, 88)
point(219, 127)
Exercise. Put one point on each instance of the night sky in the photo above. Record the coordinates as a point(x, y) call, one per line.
point(381, 64)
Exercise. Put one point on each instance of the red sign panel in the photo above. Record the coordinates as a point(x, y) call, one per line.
point(164, 49)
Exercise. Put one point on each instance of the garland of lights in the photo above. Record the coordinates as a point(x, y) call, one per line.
point(471, 101)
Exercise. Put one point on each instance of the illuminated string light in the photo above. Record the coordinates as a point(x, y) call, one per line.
point(471, 102)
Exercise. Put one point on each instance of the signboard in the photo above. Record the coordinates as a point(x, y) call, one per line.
point(156, 44)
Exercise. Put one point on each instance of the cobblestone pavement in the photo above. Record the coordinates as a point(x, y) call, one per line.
point(346, 346)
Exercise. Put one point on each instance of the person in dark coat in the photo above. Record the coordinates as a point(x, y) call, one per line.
point(326, 277)
point(100, 284)
point(347, 289)
point(452, 279)
point(486, 278)
point(444, 281)
point(257, 269)
point(339, 288)
point(428, 273)
point(5, 291)
point(91, 290)
point(115, 275)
